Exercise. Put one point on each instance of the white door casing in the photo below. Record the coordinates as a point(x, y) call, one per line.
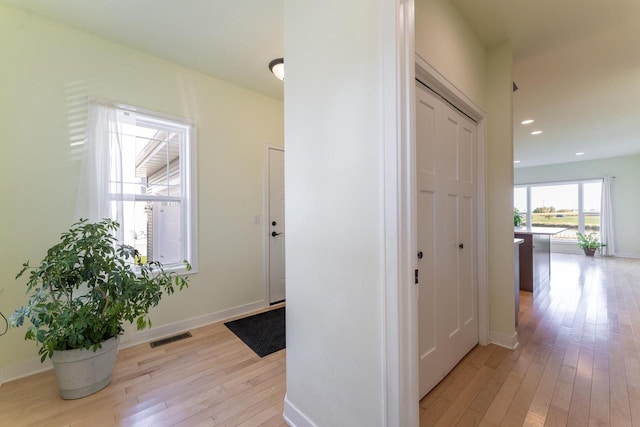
point(276, 226)
point(448, 299)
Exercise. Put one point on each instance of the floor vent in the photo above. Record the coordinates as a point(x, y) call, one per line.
point(168, 340)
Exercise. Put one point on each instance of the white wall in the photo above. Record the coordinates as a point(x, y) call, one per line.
point(47, 72)
point(334, 211)
point(626, 203)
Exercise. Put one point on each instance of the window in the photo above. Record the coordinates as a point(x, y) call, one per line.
point(574, 206)
point(520, 203)
point(147, 182)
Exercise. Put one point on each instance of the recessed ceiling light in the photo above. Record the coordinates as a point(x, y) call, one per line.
point(516, 161)
point(536, 132)
point(579, 154)
point(527, 122)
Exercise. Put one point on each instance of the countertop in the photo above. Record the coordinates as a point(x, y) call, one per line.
point(538, 230)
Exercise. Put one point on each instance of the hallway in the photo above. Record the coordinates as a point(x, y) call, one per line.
point(578, 362)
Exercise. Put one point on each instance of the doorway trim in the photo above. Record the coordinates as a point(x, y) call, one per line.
point(265, 221)
point(399, 318)
point(400, 294)
point(428, 75)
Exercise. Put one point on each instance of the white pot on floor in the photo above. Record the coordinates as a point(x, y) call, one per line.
point(83, 372)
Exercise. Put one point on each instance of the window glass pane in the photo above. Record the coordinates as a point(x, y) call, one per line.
point(151, 150)
point(556, 206)
point(135, 227)
point(167, 231)
point(520, 202)
point(591, 205)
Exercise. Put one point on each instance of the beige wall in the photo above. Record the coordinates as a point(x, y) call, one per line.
point(47, 72)
point(446, 41)
point(500, 193)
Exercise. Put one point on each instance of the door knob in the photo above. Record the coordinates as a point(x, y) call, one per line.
point(273, 223)
point(461, 245)
point(420, 255)
point(274, 234)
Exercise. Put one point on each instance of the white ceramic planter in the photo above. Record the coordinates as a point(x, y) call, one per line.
point(83, 372)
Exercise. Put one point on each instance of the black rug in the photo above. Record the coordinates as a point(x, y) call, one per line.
point(264, 333)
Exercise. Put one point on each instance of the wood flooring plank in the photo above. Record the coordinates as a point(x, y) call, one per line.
point(580, 341)
point(464, 397)
point(500, 404)
point(578, 363)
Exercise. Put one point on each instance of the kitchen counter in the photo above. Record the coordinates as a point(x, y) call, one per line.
point(538, 230)
point(535, 257)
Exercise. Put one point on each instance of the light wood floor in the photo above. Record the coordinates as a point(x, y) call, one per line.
point(578, 364)
point(210, 379)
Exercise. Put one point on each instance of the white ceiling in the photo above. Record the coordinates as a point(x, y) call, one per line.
point(577, 66)
point(233, 40)
point(576, 62)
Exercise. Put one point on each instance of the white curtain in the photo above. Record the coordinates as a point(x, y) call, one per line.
point(606, 219)
point(100, 193)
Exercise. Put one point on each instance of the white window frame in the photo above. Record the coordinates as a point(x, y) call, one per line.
point(579, 182)
point(188, 175)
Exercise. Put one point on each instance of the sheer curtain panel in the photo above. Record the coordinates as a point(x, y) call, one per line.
point(100, 193)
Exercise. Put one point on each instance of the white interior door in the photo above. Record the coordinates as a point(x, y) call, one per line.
point(276, 227)
point(447, 304)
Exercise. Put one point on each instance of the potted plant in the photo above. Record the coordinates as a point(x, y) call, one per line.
point(517, 218)
point(589, 243)
point(80, 295)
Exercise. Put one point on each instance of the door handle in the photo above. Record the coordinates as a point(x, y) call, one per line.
point(274, 234)
point(461, 245)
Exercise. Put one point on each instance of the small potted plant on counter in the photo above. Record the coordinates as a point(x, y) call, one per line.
point(589, 243)
point(80, 295)
point(517, 218)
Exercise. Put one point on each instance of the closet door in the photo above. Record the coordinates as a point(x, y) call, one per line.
point(448, 296)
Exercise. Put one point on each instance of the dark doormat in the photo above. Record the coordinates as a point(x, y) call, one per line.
point(264, 333)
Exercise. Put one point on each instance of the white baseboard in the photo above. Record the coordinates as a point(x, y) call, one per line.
point(33, 366)
point(139, 337)
point(293, 417)
point(503, 340)
point(633, 256)
point(572, 248)
point(23, 369)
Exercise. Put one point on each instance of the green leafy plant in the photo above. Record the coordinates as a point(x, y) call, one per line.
point(87, 286)
point(589, 242)
point(517, 217)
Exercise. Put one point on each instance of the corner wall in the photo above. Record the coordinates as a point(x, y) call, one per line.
point(500, 195)
point(47, 72)
point(334, 208)
point(447, 42)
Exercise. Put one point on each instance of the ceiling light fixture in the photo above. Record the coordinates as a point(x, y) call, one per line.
point(536, 132)
point(527, 122)
point(579, 154)
point(516, 162)
point(277, 68)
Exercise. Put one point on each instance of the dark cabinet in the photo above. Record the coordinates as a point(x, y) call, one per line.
point(535, 262)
